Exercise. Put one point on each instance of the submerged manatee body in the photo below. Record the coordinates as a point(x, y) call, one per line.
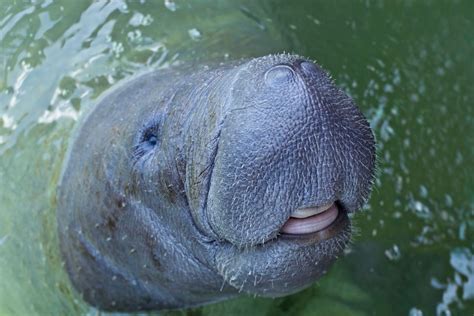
point(185, 187)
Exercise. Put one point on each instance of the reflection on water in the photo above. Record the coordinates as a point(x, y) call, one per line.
point(407, 64)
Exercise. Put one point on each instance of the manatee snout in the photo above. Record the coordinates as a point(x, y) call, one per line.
point(233, 178)
point(293, 156)
point(289, 141)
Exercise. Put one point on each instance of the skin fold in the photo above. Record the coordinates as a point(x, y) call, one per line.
point(177, 184)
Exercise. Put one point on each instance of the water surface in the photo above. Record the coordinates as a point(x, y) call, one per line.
point(407, 64)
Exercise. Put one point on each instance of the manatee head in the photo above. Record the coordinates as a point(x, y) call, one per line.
point(189, 186)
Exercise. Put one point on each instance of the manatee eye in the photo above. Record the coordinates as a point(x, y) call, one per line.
point(150, 139)
point(147, 139)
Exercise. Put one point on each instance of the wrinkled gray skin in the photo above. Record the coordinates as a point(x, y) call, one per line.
point(178, 183)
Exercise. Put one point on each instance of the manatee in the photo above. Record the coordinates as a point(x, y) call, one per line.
point(193, 184)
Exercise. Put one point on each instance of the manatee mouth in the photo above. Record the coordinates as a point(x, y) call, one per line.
point(310, 220)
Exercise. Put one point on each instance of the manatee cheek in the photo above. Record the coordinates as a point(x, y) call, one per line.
point(157, 165)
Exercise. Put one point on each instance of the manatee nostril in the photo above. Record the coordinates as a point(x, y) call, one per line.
point(308, 67)
point(279, 74)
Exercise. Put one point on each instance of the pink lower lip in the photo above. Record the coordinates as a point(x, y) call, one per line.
point(310, 224)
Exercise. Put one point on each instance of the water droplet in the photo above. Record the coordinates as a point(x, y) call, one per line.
point(3, 239)
point(8, 122)
point(388, 88)
point(134, 36)
point(459, 158)
point(393, 253)
point(420, 209)
point(194, 34)
point(462, 231)
point(415, 312)
point(414, 97)
point(423, 191)
point(462, 260)
point(170, 5)
point(140, 19)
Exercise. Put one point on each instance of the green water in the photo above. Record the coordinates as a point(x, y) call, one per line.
point(408, 64)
